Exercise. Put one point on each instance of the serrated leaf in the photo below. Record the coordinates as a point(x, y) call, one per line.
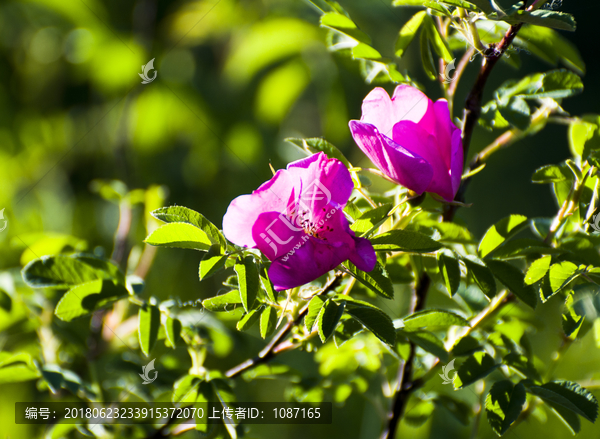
point(544, 17)
point(408, 32)
point(173, 331)
point(537, 270)
point(63, 271)
point(377, 280)
point(426, 340)
point(248, 320)
point(504, 404)
point(224, 302)
point(374, 319)
point(316, 144)
point(314, 307)
point(345, 25)
point(328, 318)
point(427, 56)
point(180, 214)
point(370, 219)
point(186, 389)
point(569, 395)
point(500, 232)
point(268, 285)
point(211, 263)
point(268, 320)
point(450, 271)
point(477, 366)
point(17, 367)
point(513, 279)
point(148, 326)
point(404, 240)
point(248, 281)
point(434, 317)
point(571, 319)
point(180, 235)
point(482, 276)
point(551, 174)
point(88, 297)
point(562, 274)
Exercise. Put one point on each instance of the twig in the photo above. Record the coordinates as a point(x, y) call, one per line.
point(277, 343)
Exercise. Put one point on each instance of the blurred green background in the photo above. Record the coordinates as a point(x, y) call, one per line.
point(235, 78)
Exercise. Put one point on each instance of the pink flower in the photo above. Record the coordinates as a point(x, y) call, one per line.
point(296, 221)
point(412, 140)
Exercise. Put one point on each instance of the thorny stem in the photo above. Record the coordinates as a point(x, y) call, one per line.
point(471, 116)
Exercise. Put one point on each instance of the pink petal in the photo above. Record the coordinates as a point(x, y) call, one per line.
point(407, 103)
point(409, 169)
point(363, 256)
point(272, 196)
point(457, 163)
point(275, 235)
point(417, 140)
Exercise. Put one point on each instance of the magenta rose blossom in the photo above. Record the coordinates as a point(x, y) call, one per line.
point(412, 140)
point(296, 220)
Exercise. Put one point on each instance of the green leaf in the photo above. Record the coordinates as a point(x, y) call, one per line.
point(5, 301)
point(436, 40)
point(504, 404)
point(404, 240)
point(551, 174)
point(500, 232)
point(580, 134)
point(516, 112)
point(17, 367)
point(537, 270)
point(466, 346)
point(462, 4)
point(450, 271)
point(569, 395)
point(370, 219)
point(434, 317)
point(268, 320)
point(372, 318)
point(544, 17)
point(377, 280)
point(173, 331)
point(248, 320)
point(523, 365)
point(408, 2)
point(180, 214)
point(408, 32)
point(426, 340)
point(88, 297)
point(571, 319)
point(248, 281)
point(519, 248)
point(482, 276)
point(345, 25)
point(211, 264)
point(562, 274)
point(63, 271)
point(314, 308)
point(224, 302)
point(316, 144)
point(186, 389)
point(553, 84)
point(328, 318)
point(477, 366)
point(180, 235)
point(427, 56)
point(268, 285)
point(450, 232)
point(513, 279)
point(149, 324)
